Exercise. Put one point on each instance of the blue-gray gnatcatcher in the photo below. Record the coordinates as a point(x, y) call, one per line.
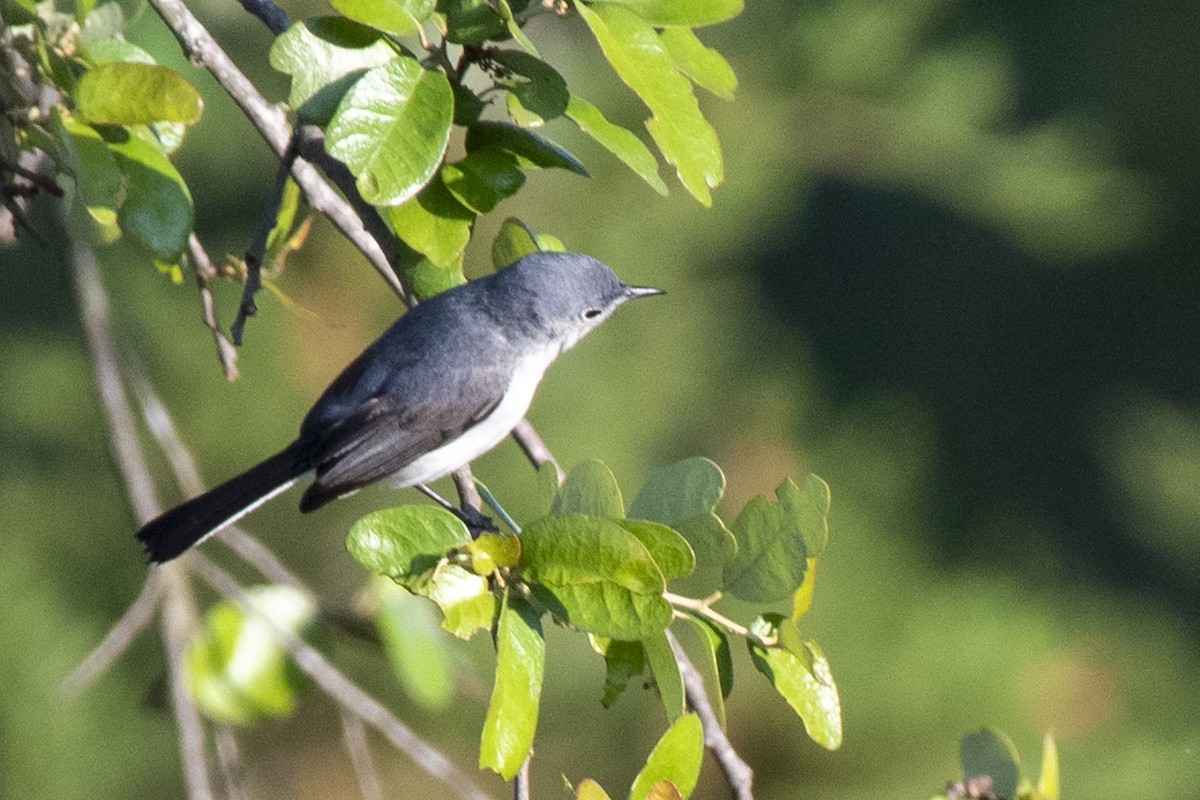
point(445, 384)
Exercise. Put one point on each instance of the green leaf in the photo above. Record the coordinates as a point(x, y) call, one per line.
point(391, 129)
point(514, 29)
point(665, 669)
point(514, 241)
point(991, 753)
point(720, 661)
point(325, 56)
point(705, 66)
point(802, 598)
point(483, 179)
point(105, 22)
point(526, 147)
point(511, 719)
point(689, 13)
point(669, 549)
point(595, 575)
point(102, 51)
point(472, 21)
point(620, 142)
point(772, 558)
point(400, 17)
point(808, 505)
point(685, 138)
point(236, 669)
point(676, 758)
point(492, 551)
point(157, 210)
point(806, 683)
point(538, 87)
point(132, 93)
point(414, 645)
point(623, 661)
point(1048, 781)
point(590, 489)
point(467, 106)
point(588, 789)
point(92, 164)
point(426, 279)
point(434, 224)
point(466, 601)
point(406, 543)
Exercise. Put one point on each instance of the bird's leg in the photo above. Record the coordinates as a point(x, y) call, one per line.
point(475, 521)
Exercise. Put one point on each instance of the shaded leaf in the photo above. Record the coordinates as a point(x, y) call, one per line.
point(719, 659)
point(690, 13)
point(434, 224)
point(514, 29)
point(810, 691)
point(590, 489)
point(665, 669)
point(92, 164)
point(703, 65)
point(623, 661)
point(406, 543)
point(679, 491)
point(472, 21)
point(808, 504)
point(157, 209)
point(669, 549)
point(324, 57)
point(676, 758)
point(989, 752)
point(426, 279)
point(514, 241)
point(483, 179)
point(526, 147)
point(512, 713)
point(391, 129)
point(538, 87)
point(772, 558)
point(620, 142)
point(400, 17)
point(595, 575)
point(639, 57)
point(414, 645)
point(588, 789)
point(133, 93)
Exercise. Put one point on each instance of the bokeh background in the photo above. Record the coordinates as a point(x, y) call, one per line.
point(953, 270)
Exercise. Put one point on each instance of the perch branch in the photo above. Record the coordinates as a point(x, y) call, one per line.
point(205, 271)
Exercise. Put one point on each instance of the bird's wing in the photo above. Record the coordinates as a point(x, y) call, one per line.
point(383, 436)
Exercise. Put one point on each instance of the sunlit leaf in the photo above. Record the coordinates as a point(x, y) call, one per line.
point(132, 93)
point(595, 575)
point(1048, 781)
point(406, 543)
point(472, 21)
point(690, 13)
point(426, 279)
point(467, 602)
point(665, 670)
point(512, 713)
point(400, 17)
point(590, 489)
point(434, 224)
point(325, 56)
point(391, 129)
point(92, 164)
point(514, 29)
point(802, 598)
point(514, 241)
point(492, 551)
point(639, 57)
point(588, 789)
point(705, 66)
point(669, 549)
point(676, 758)
point(809, 691)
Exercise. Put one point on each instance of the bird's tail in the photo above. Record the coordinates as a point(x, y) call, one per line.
point(170, 534)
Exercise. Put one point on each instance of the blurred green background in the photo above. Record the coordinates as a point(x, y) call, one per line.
point(952, 270)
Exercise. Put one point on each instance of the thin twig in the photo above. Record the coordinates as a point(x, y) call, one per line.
point(354, 736)
point(179, 611)
point(269, 120)
point(229, 757)
point(135, 619)
point(348, 694)
point(205, 271)
point(535, 448)
point(521, 779)
point(738, 774)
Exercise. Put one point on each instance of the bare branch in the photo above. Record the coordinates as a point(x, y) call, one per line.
point(229, 756)
point(205, 271)
point(534, 448)
point(348, 694)
point(354, 735)
point(737, 772)
point(117, 641)
point(521, 779)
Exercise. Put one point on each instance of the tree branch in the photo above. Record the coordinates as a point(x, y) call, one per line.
point(738, 774)
point(354, 735)
point(205, 271)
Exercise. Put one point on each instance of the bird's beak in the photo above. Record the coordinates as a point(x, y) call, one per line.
point(641, 291)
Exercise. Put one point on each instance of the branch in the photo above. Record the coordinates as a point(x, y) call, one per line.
point(205, 271)
point(535, 448)
point(348, 694)
point(737, 772)
point(354, 735)
point(269, 120)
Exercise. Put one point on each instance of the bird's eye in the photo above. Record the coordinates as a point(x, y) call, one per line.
point(591, 313)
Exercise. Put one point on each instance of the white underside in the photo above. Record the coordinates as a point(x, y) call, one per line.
point(486, 434)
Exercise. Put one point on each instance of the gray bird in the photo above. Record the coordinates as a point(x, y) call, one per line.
point(441, 387)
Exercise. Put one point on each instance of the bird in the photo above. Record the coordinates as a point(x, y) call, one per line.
point(442, 386)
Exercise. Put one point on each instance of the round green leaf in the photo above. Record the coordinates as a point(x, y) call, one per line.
point(810, 691)
point(595, 575)
point(324, 57)
point(679, 491)
point(512, 713)
point(690, 13)
point(772, 557)
point(391, 129)
point(669, 549)
point(590, 489)
point(400, 17)
point(406, 543)
point(133, 93)
point(157, 209)
point(514, 241)
point(676, 758)
point(991, 753)
point(808, 505)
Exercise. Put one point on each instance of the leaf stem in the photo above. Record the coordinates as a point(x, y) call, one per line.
point(704, 609)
